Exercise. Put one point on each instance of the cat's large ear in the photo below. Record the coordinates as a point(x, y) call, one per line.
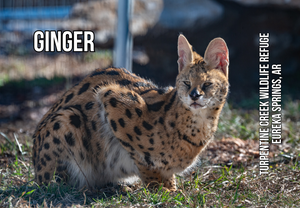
point(217, 55)
point(185, 53)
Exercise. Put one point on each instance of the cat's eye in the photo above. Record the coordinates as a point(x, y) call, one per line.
point(187, 83)
point(206, 84)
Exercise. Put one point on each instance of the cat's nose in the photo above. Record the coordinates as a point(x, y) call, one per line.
point(195, 94)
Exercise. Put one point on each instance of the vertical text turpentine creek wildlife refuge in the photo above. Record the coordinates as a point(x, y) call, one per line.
point(269, 108)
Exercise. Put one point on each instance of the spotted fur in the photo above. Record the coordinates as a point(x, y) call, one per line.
point(114, 124)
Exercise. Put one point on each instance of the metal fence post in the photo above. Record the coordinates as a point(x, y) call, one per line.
point(123, 40)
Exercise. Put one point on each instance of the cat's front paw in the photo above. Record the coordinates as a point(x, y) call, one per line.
point(170, 184)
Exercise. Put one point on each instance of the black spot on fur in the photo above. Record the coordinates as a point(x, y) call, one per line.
point(46, 145)
point(40, 178)
point(162, 154)
point(56, 126)
point(147, 126)
point(89, 105)
point(123, 170)
point(138, 138)
point(56, 140)
point(132, 97)
point(151, 148)
point(155, 106)
point(121, 122)
point(86, 143)
point(125, 144)
point(146, 91)
point(84, 88)
point(113, 125)
point(172, 124)
point(60, 161)
point(47, 133)
point(148, 158)
point(57, 104)
point(39, 167)
point(151, 141)
point(189, 141)
point(141, 146)
point(96, 88)
point(81, 156)
point(70, 139)
point(137, 130)
point(107, 93)
point(165, 162)
point(53, 118)
point(113, 102)
point(161, 120)
point(98, 147)
point(47, 157)
point(113, 73)
point(55, 153)
point(94, 125)
point(139, 112)
point(169, 105)
point(69, 97)
point(78, 107)
point(129, 137)
point(43, 162)
point(97, 73)
point(124, 82)
point(75, 120)
point(60, 150)
point(128, 113)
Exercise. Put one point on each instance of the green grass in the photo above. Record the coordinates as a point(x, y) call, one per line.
point(222, 187)
point(205, 186)
point(238, 123)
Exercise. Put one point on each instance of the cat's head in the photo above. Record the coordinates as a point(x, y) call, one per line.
point(202, 82)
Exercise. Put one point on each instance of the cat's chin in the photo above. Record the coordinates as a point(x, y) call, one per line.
point(197, 106)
